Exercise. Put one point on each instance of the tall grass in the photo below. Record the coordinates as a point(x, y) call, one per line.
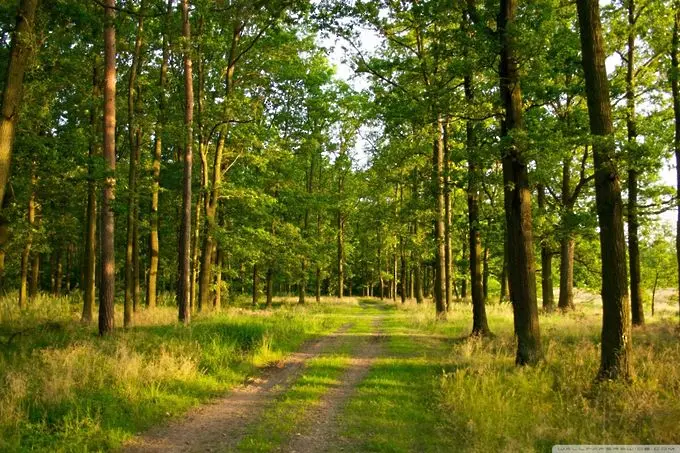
point(64, 388)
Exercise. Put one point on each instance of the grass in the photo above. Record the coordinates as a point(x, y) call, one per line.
point(62, 388)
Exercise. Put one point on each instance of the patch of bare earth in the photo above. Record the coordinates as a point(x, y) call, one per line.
point(321, 430)
point(221, 424)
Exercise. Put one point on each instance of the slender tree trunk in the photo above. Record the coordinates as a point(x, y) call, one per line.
point(107, 287)
point(546, 261)
point(132, 177)
point(256, 284)
point(14, 79)
point(480, 325)
point(154, 247)
point(318, 283)
point(616, 323)
point(448, 253)
point(438, 180)
point(91, 222)
point(341, 253)
point(212, 197)
point(59, 276)
point(270, 286)
point(566, 297)
point(638, 314)
point(217, 303)
point(566, 300)
point(521, 270)
point(675, 87)
point(485, 274)
point(184, 264)
point(35, 276)
point(26, 252)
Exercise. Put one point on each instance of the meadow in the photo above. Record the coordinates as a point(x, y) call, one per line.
point(429, 386)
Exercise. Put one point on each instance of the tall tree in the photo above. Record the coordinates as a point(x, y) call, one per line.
point(152, 284)
point(615, 360)
point(134, 139)
point(107, 288)
point(521, 268)
point(184, 262)
point(14, 80)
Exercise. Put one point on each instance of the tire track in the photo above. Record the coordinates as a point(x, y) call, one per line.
point(221, 424)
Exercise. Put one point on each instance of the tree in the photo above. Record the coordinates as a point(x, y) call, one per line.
point(184, 261)
point(107, 287)
point(615, 360)
point(521, 272)
point(14, 80)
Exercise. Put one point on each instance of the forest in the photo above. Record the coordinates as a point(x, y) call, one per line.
point(291, 225)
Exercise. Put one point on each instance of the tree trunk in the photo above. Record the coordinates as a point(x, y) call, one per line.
point(448, 253)
point(26, 252)
point(219, 261)
point(485, 274)
point(152, 285)
point(318, 283)
point(91, 221)
point(132, 177)
point(521, 269)
point(546, 261)
point(256, 284)
point(438, 181)
point(480, 325)
point(566, 297)
point(212, 197)
point(184, 264)
point(638, 314)
point(270, 286)
point(14, 79)
point(675, 87)
point(616, 323)
point(35, 276)
point(341, 254)
point(107, 287)
point(566, 300)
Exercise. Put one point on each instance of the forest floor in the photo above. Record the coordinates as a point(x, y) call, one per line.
point(357, 375)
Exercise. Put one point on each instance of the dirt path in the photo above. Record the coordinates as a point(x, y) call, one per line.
point(321, 434)
point(220, 425)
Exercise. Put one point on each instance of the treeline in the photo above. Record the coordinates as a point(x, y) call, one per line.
point(207, 149)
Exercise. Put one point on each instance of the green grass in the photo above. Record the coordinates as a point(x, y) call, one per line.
point(62, 388)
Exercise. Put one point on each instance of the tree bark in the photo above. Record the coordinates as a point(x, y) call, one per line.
point(675, 88)
point(546, 261)
point(35, 276)
point(212, 197)
point(154, 246)
point(480, 325)
point(184, 264)
point(638, 314)
point(256, 284)
point(26, 252)
point(521, 269)
point(270, 286)
point(107, 287)
point(14, 80)
point(448, 252)
point(217, 303)
point(566, 298)
point(616, 323)
point(91, 221)
point(132, 177)
point(439, 234)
